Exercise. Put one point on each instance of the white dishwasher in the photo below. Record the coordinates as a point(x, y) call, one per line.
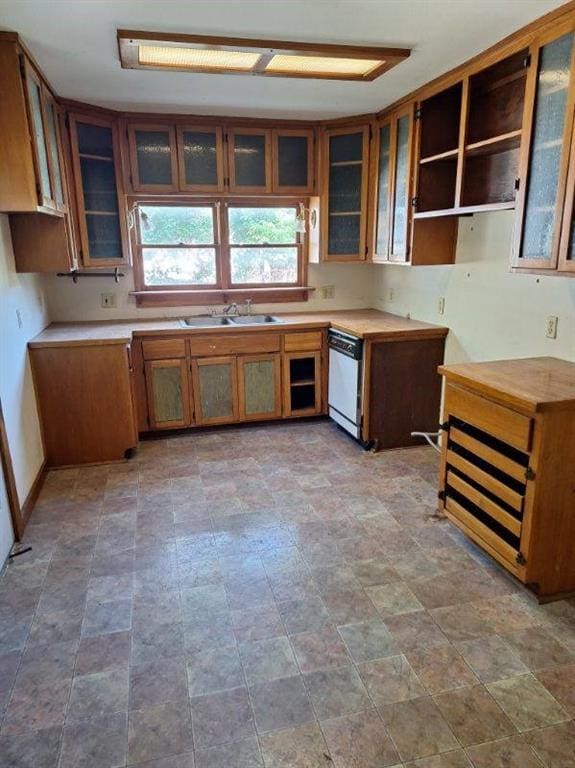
point(345, 381)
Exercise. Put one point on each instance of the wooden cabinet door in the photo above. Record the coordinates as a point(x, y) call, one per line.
point(250, 160)
point(215, 389)
point(153, 157)
point(381, 207)
point(54, 147)
point(38, 129)
point(95, 150)
point(200, 158)
point(168, 390)
point(567, 246)
point(259, 387)
point(402, 133)
point(302, 383)
point(344, 214)
point(293, 161)
point(545, 152)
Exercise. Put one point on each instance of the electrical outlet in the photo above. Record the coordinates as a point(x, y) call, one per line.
point(441, 305)
point(107, 300)
point(551, 326)
point(328, 291)
point(391, 294)
point(19, 318)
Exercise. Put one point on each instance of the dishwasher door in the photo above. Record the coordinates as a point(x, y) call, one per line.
point(344, 391)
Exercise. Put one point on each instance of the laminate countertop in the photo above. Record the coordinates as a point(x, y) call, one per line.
point(369, 324)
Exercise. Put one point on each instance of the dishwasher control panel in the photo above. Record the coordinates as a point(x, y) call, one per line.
point(346, 344)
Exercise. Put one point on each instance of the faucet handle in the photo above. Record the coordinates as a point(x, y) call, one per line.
point(248, 303)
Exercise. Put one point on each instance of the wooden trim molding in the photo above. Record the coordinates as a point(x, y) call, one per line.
point(33, 494)
point(217, 296)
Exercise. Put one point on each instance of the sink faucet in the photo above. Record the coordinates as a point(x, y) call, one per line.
point(248, 303)
point(232, 309)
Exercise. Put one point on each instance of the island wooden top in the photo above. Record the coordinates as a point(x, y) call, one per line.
point(530, 384)
point(369, 324)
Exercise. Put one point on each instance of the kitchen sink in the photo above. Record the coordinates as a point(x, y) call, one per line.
point(255, 319)
point(200, 321)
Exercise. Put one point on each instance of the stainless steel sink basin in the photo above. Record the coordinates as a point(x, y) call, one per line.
point(255, 319)
point(204, 322)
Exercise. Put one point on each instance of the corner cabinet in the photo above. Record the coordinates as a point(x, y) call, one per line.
point(97, 173)
point(543, 240)
point(344, 164)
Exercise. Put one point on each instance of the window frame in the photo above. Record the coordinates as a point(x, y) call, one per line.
point(224, 290)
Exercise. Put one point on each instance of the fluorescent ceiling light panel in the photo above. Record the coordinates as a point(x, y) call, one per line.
point(245, 56)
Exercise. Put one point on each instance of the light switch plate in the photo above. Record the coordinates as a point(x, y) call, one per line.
point(107, 300)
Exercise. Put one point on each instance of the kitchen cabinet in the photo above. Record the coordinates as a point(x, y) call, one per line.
point(545, 204)
point(215, 390)
point(169, 404)
point(200, 158)
point(345, 157)
point(153, 158)
point(400, 198)
point(259, 387)
point(302, 378)
point(85, 402)
point(250, 160)
point(506, 476)
point(100, 209)
point(293, 161)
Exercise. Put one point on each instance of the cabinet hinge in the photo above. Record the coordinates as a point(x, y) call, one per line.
point(520, 560)
point(441, 495)
point(517, 183)
point(529, 474)
point(527, 61)
point(414, 201)
point(417, 114)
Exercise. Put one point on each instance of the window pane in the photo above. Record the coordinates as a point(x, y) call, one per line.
point(179, 266)
point(262, 225)
point(176, 225)
point(264, 265)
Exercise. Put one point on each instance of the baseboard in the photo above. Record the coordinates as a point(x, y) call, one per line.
point(27, 507)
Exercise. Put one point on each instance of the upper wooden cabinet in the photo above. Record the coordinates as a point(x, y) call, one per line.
point(249, 160)
point(153, 160)
point(200, 158)
point(344, 164)
point(30, 143)
point(293, 161)
point(544, 220)
point(97, 175)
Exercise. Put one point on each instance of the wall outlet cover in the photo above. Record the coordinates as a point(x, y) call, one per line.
point(551, 326)
point(328, 291)
point(441, 305)
point(391, 294)
point(107, 300)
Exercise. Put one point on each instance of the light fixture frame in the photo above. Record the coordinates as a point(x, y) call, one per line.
point(130, 40)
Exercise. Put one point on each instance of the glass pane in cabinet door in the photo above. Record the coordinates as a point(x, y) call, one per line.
point(553, 80)
point(250, 160)
point(345, 188)
point(95, 140)
point(216, 390)
point(154, 158)
point(167, 394)
point(292, 161)
point(200, 158)
point(35, 99)
point(346, 148)
point(259, 386)
point(54, 155)
point(343, 234)
point(399, 240)
point(104, 238)
point(99, 185)
point(383, 191)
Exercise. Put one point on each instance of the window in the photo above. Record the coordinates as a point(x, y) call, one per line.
point(217, 246)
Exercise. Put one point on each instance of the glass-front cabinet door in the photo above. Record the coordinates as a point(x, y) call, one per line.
point(545, 155)
point(293, 161)
point(259, 387)
point(200, 158)
point(215, 389)
point(54, 147)
point(39, 129)
point(567, 245)
point(400, 199)
point(381, 207)
point(95, 152)
point(249, 158)
point(345, 157)
point(153, 159)
point(169, 404)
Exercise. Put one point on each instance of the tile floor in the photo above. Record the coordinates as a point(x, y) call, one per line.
point(272, 596)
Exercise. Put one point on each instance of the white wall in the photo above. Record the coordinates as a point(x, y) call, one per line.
point(492, 313)
point(25, 294)
point(81, 301)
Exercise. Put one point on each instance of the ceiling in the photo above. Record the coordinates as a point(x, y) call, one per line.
point(74, 42)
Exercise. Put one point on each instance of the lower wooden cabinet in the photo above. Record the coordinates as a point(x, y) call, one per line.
point(84, 397)
point(169, 396)
point(216, 389)
point(302, 383)
point(259, 387)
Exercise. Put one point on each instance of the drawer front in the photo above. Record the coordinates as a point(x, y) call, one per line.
point(248, 343)
point(502, 423)
point(303, 342)
point(163, 349)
